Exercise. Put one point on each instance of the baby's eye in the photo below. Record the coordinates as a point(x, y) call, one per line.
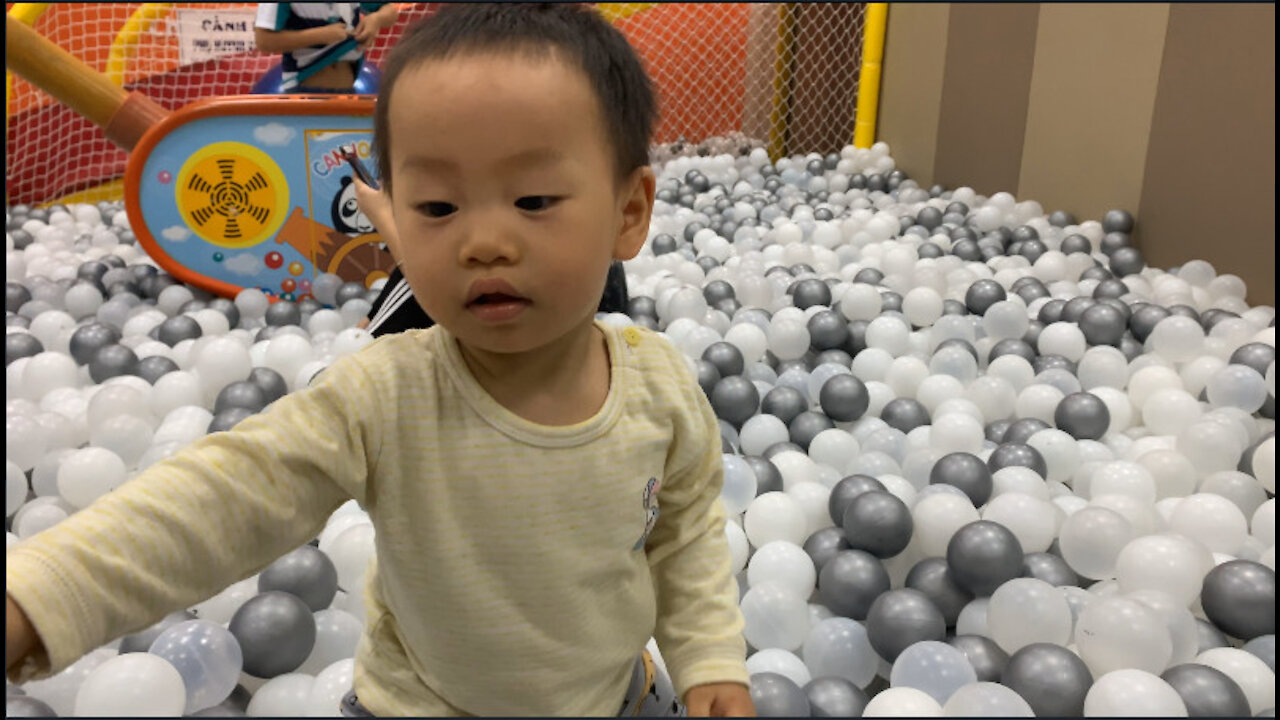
point(534, 203)
point(437, 209)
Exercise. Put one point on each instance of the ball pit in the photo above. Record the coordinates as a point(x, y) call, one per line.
point(979, 459)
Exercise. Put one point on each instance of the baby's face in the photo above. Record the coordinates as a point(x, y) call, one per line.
point(505, 197)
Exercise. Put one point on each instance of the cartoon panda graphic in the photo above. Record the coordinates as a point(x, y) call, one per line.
point(345, 212)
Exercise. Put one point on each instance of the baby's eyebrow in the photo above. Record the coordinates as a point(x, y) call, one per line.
point(533, 157)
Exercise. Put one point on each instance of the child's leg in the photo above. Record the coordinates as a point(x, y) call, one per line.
point(650, 693)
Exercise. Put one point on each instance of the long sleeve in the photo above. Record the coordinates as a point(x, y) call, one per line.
point(699, 628)
point(187, 527)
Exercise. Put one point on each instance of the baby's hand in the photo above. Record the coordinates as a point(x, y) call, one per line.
point(719, 700)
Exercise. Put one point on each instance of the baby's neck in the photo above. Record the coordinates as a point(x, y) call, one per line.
point(561, 383)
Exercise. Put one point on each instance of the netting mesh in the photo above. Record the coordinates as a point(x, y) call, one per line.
point(783, 75)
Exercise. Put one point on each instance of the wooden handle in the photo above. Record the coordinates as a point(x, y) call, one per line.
point(125, 116)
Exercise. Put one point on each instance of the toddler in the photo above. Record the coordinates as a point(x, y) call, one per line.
point(544, 487)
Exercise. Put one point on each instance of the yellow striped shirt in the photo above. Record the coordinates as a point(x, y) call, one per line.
point(520, 568)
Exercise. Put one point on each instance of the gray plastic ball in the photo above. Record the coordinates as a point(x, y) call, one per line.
point(929, 217)
point(141, 641)
point(228, 419)
point(823, 545)
point(240, 394)
point(901, 618)
point(784, 402)
point(833, 357)
point(768, 478)
point(1083, 416)
point(776, 695)
point(986, 657)
point(87, 340)
point(1102, 324)
point(983, 555)
point(1145, 319)
point(1127, 261)
point(954, 307)
point(276, 631)
point(843, 493)
point(19, 706)
point(1049, 568)
point(347, 291)
point(1263, 647)
point(228, 309)
point(1012, 346)
point(1076, 243)
point(234, 705)
point(282, 313)
point(270, 382)
point(1117, 221)
point(707, 376)
point(1114, 241)
point(112, 361)
point(1239, 596)
point(835, 697)
point(726, 357)
point(663, 244)
point(1208, 636)
point(982, 295)
point(806, 426)
point(995, 431)
point(154, 367)
point(844, 398)
point(781, 447)
point(1017, 455)
point(1207, 691)
point(20, 345)
point(1256, 355)
point(827, 330)
point(735, 399)
point(1074, 308)
point(959, 343)
point(850, 582)
point(965, 471)
point(932, 577)
point(1052, 679)
point(890, 301)
point(1107, 287)
point(178, 328)
point(1131, 348)
point(305, 572)
point(15, 296)
point(879, 523)
point(904, 414)
point(642, 305)
point(1034, 328)
point(811, 292)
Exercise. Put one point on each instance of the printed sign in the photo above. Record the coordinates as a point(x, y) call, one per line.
point(210, 34)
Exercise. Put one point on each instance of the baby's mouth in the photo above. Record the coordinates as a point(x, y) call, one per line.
point(496, 299)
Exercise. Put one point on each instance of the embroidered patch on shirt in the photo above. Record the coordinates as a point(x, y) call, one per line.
point(650, 501)
point(632, 335)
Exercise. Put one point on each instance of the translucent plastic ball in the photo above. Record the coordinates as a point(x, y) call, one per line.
point(834, 448)
point(934, 667)
point(775, 516)
point(1210, 446)
point(838, 647)
point(1170, 411)
point(1170, 563)
point(206, 655)
point(1025, 611)
point(955, 362)
point(860, 302)
point(1060, 452)
point(936, 518)
point(1005, 319)
point(281, 696)
point(1103, 365)
point(795, 468)
point(48, 371)
point(1248, 671)
point(88, 474)
point(785, 565)
point(1237, 386)
point(739, 549)
point(1264, 464)
point(922, 306)
point(955, 432)
point(1177, 618)
point(986, 699)
point(749, 339)
point(1145, 382)
point(15, 488)
point(1177, 338)
point(1119, 477)
point(761, 432)
point(1117, 632)
point(1174, 474)
point(890, 334)
point(223, 361)
point(782, 662)
point(337, 633)
point(1091, 539)
point(1133, 693)
point(1062, 338)
point(739, 487)
point(902, 702)
point(1032, 520)
point(331, 684)
point(1213, 520)
point(788, 339)
point(132, 685)
point(774, 617)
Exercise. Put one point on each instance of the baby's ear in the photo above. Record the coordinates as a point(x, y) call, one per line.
point(636, 208)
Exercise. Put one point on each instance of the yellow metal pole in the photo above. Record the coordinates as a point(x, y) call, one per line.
point(27, 14)
point(126, 41)
point(781, 82)
point(864, 126)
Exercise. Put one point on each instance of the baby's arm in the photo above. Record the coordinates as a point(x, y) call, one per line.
point(699, 627)
point(191, 525)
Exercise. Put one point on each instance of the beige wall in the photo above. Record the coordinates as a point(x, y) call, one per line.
point(1165, 110)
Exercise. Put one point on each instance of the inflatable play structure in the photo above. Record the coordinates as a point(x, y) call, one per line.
point(228, 189)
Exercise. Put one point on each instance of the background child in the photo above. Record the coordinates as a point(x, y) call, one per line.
point(545, 489)
point(322, 44)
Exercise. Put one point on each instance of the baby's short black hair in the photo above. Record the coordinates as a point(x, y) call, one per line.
point(577, 34)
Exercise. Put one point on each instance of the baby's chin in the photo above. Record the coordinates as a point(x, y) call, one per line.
point(517, 340)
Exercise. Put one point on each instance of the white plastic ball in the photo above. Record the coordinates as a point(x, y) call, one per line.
point(1133, 693)
point(132, 685)
point(775, 516)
